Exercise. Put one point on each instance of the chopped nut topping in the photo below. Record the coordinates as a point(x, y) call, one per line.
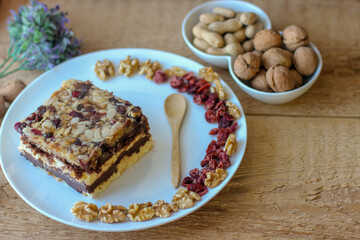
point(208, 74)
point(149, 68)
point(112, 213)
point(230, 145)
point(175, 71)
point(214, 179)
point(184, 198)
point(85, 211)
point(233, 110)
point(141, 212)
point(129, 66)
point(163, 209)
point(105, 69)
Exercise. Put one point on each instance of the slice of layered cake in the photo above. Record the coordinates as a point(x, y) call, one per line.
point(85, 136)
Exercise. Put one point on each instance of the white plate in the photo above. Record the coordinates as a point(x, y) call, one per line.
point(149, 179)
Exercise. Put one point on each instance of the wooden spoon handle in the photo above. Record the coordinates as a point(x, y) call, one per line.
point(175, 159)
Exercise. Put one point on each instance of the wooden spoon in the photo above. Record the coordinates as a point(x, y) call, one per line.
point(175, 108)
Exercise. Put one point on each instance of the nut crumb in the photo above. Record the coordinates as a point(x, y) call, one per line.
point(214, 179)
point(175, 71)
point(141, 212)
point(149, 68)
point(104, 70)
point(233, 110)
point(185, 198)
point(230, 145)
point(84, 211)
point(112, 213)
point(163, 209)
point(128, 66)
point(220, 90)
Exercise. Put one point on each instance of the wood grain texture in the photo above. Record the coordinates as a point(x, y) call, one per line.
point(300, 175)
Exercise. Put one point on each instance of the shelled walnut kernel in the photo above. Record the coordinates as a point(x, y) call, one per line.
point(85, 211)
point(214, 179)
point(149, 68)
point(163, 209)
point(185, 198)
point(128, 66)
point(104, 70)
point(230, 145)
point(208, 74)
point(175, 71)
point(109, 213)
point(233, 110)
point(141, 212)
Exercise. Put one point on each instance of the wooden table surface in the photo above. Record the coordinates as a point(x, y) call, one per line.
point(300, 175)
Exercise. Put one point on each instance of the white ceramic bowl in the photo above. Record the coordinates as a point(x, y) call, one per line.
point(279, 98)
point(192, 18)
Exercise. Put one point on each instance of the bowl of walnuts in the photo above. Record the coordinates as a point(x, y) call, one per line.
point(218, 30)
point(283, 66)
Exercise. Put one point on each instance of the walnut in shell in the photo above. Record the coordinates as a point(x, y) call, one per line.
point(279, 79)
point(259, 82)
point(247, 65)
point(298, 78)
point(295, 36)
point(305, 60)
point(276, 56)
point(266, 39)
point(10, 89)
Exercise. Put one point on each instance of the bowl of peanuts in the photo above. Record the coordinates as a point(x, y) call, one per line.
point(216, 31)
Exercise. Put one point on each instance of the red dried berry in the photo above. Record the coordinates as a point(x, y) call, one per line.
point(203, 88)
point(121, 109)
point(19, 126)
point(210, 116)
point(194, 173)
point(160, 77)
point(176, 82)
point(197, 99)
point(196, 187)
point(76, 94)
point(36, 131)
point(214, 131)
point(186, 181)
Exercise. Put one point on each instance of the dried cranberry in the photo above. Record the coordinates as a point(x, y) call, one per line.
point(80, 107)
point(19, 126)
point(203, 88)
point(41, 110)
point(56, 122)
point(214, 131)
point(211, 101)
point(194, 173)
point(234, 126)
point(127, 103)
point(121, 109)
point(213, 146)
point(51, 108)
point(76, 114)
point(48, 135)
point(203, 192)
point(196, 187)
point(188, 75)
point(89, 109)
point(203, 176)
point(205, 95)
point(210, 116)
point(186, 181)
point(184, 88)
point(224, 123)
point(176, 82)
point(191, 89)
point(113, 100)
point(78, 142)
point(160, 77)
point(197, 99)
point(31, 117)
point(36, 131)
point(212, 164)
point(76, 94)
point(223, 135)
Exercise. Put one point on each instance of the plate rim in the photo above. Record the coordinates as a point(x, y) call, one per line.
point(82, 226)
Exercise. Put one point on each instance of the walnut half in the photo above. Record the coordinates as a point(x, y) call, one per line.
point(185, 198)
point(141, 212)
point(214, 179)
point(112, 213)
point(149, 68)
point(128, 66)
point(85, 211)
point(104, 70)
point(163, 209)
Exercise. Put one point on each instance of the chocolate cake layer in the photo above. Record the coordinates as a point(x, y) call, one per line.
point(80, 186)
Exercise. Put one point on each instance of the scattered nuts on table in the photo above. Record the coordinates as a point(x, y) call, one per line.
point(10, 89)
point(212, 31)
point(283, 63)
